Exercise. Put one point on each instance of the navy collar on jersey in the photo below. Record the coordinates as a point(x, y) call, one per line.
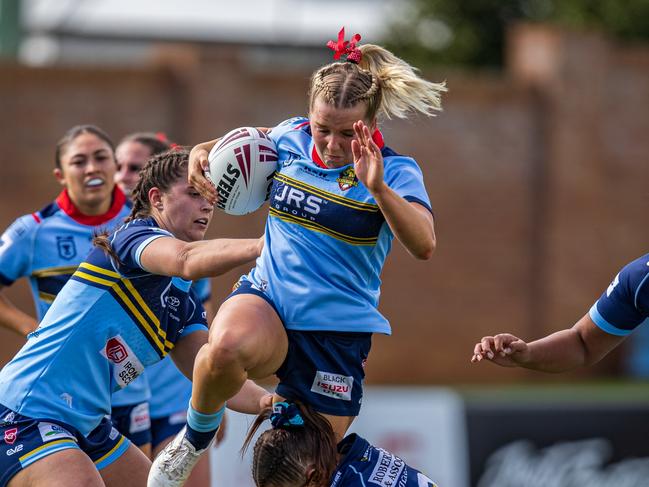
point(377, 137)
point(68, 207)
point(351, 448)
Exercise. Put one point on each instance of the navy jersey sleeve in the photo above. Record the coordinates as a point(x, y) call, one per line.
point(625, 304)
point(404, 177)
point(129, 241)
point(16, 247)
point(196, 318)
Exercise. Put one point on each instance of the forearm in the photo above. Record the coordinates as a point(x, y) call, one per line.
point(209, 258)
point(559, 352)
point(248, 399)
point(14, 319)
point(411, 224)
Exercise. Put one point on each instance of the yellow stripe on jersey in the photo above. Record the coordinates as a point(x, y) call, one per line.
point(350, 203)
point(151, 326)
point(100, 270)
point(55, 271)
point(322, 229)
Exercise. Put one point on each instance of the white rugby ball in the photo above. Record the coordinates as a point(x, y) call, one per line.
point(242, 165)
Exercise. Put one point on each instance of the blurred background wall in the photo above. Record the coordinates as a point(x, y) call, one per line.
point(536, 169)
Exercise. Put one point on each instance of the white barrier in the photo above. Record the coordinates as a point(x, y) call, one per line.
point(424, 426)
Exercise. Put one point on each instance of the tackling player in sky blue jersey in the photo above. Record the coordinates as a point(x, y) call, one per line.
point(61, 371)
point(125, 307)
point(622, 308)
point(47, 246)
point(315, 207)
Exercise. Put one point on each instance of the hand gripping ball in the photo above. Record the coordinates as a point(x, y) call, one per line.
point(242, 165)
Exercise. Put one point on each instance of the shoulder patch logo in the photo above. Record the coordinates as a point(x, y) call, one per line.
point(66, 247)
point(347, 179)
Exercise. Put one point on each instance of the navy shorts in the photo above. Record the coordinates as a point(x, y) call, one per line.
point(324, 369)
point(26, 440)
point(134, 422)
point(167, 426)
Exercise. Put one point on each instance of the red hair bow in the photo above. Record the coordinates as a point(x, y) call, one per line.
point(346, 48)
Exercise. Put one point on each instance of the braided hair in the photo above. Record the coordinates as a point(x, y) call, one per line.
point(161, 171)
point(284, 454)
point(389, 85)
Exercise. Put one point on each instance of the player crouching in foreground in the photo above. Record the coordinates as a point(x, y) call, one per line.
point(300, 451)
point(621, 309)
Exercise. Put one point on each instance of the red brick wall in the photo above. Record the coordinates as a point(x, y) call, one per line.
point(537, 177)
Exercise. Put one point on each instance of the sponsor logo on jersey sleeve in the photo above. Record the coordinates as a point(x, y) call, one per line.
point(611, 287)
point(388, 470)
point(333, 385)
point(51, 431)
point(126, 365)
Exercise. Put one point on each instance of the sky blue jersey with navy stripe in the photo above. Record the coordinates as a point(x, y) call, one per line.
point(107, 323)
point(326, 239)
point(625, 304)
point(363, 465)
point(48, 245)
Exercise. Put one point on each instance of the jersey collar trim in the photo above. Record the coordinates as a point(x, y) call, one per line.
point(68, 207)
point(377, 137)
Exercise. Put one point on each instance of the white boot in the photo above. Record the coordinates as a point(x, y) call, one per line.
point(172, 466)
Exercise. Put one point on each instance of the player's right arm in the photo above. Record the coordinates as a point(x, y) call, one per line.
point(582, 345)
point(15, 256)
point(619, 310)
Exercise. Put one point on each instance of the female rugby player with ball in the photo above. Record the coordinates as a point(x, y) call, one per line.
point(308, 309)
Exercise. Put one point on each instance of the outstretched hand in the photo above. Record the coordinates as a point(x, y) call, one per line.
point(368, 161)
point(503, 349)
point(198, 174)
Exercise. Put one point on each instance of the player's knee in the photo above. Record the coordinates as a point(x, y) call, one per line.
point(226, 349)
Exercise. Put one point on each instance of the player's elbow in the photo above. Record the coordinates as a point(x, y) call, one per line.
point(187, 265)
point(425, 251)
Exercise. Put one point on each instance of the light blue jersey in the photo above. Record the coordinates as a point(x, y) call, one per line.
point(170, 389)
point(329, 239)
point(47, 246)
point(107, 323)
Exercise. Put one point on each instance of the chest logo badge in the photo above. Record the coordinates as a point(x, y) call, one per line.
point(66, 247)
point(347, 179)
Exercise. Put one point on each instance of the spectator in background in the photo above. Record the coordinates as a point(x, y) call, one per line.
point(170, 389)
point(48, 245)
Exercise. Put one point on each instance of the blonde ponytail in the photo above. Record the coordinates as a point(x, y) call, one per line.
point(403, 90)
